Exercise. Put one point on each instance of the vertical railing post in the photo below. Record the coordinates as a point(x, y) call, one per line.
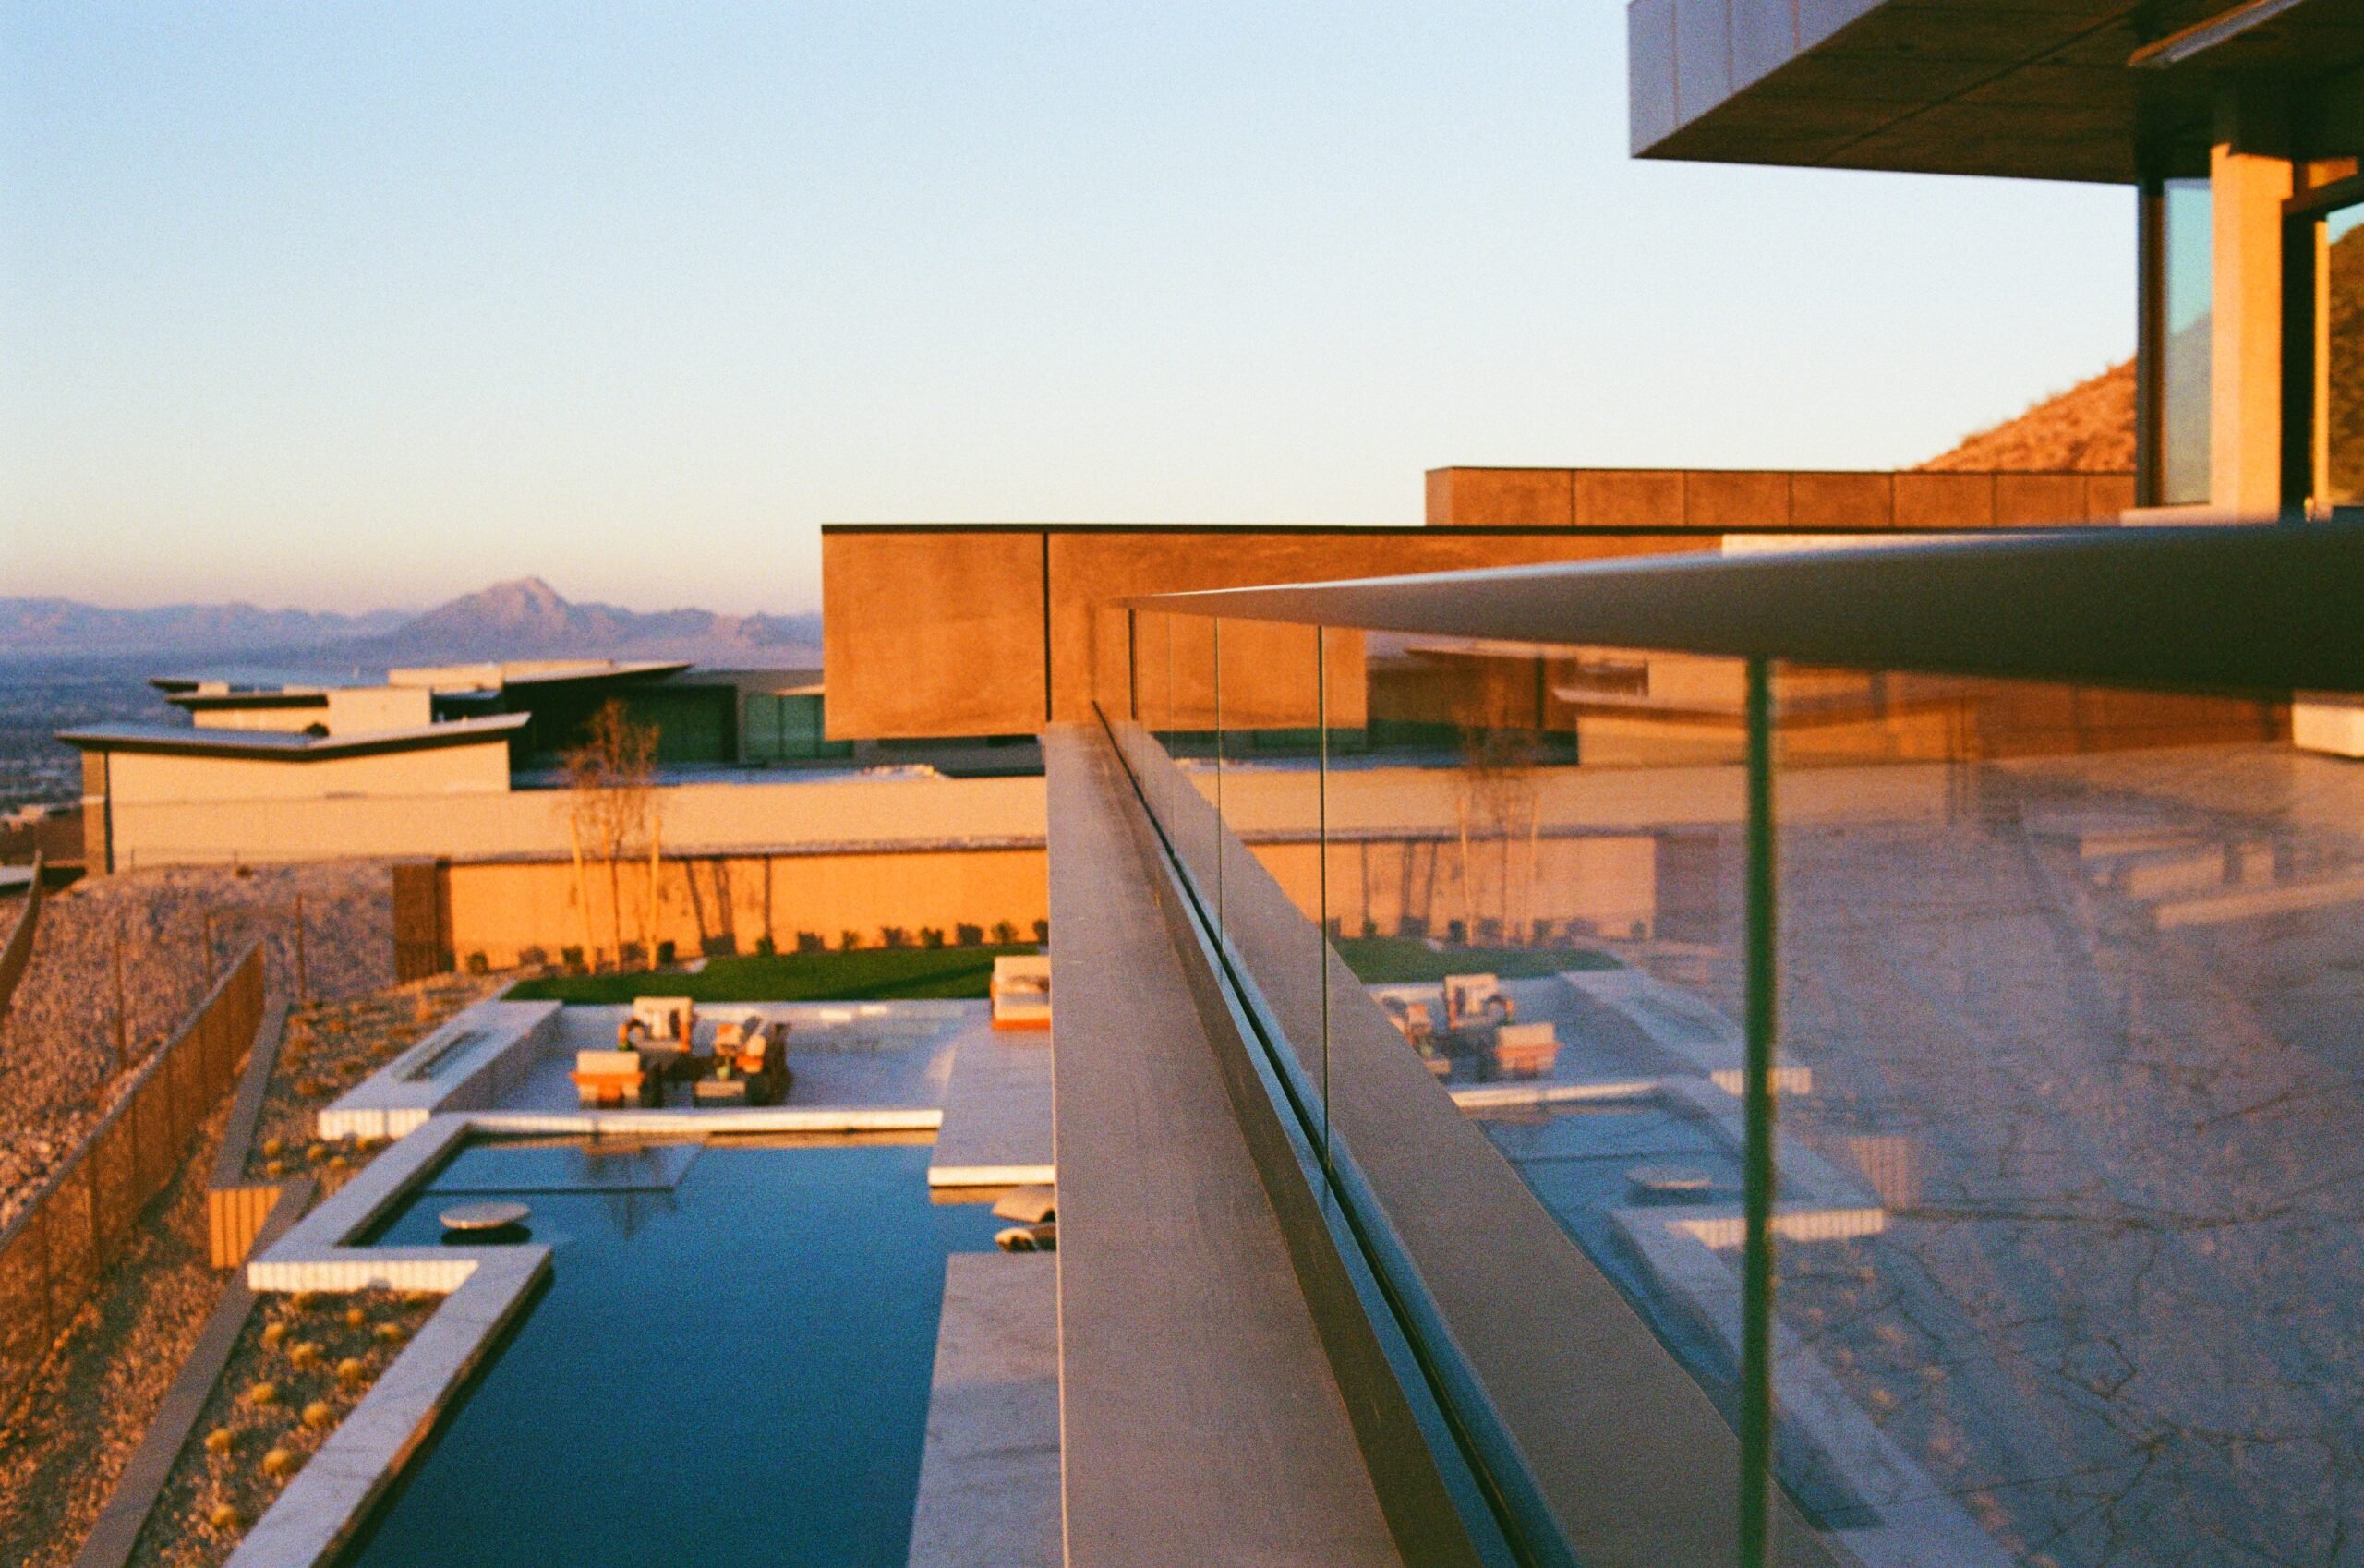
point(1322, 864)
point(1755, 1533)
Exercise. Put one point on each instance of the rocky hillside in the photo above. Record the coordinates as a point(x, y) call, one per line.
point(2089, 429)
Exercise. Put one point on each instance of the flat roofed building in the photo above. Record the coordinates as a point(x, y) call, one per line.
point(2240, 127)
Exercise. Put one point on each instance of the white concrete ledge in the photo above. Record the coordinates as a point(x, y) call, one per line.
point(712, 1123)
point(476, 1056)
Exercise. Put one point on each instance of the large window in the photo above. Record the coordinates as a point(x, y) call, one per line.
point(2187, 283)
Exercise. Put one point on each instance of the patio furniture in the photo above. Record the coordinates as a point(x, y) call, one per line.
point(612, 1077)
point(1475, 999)
point(752, 1050)
point(1526, 1050)
point(1021, 991)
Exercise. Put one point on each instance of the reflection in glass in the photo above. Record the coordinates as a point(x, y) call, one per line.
point(2068, 1260)
point(2343, 384)
point(2187, 263)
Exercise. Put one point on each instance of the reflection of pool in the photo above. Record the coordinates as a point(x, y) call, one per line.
point(734, 1370)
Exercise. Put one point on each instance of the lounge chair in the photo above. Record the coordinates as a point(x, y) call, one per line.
point(1021, 991)
point(612, 1077)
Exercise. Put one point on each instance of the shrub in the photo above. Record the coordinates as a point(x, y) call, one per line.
point(278, 1462)
point(894, 936)
point(533, 957)
point(1457, 932)
point(350, 1371)
point(318, 1415)
point(1005, 933)
point(765, 948)
point(969, 935)
point(222, 1516)
point(931, 936)
point(262, 1394)
point(665, 952)
point(1042, 930)
point(809, 941)
point(572, 959)
point(849, 940)
point(477, 964)
point(1370, 928)
point(219, 1440)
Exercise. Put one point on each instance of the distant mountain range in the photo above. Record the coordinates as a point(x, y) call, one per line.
point(526, 619)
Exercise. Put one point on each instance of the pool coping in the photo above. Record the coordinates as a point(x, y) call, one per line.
point(485, 1290)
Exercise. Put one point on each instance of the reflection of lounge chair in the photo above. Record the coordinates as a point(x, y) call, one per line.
point(1021, 991)
point(1526, 1050)
point(612, 1077)
point(1476, 1000)
point(1411, 1019)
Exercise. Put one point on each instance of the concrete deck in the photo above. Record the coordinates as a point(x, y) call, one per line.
point(989, 1475)
point(1198, 1412)
point(872, 1055)
point(997, 1127)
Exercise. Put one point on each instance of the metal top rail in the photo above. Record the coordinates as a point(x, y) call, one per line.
point(2249, 609)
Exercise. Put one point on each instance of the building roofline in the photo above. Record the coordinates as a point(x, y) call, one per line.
point(267, 746)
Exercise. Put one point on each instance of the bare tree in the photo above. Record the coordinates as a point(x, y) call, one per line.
point(611, 807)
point(1500, 747)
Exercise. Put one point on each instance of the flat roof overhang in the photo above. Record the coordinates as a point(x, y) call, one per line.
point(2255, 610)
point(2027, 89)
point(224, 702)
point(271, 745)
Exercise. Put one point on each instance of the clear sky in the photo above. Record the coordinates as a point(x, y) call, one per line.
point(347, 306)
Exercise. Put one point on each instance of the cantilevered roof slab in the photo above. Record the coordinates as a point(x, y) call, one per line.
point(2030, 89)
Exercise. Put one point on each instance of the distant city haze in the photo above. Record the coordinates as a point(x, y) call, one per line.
point(347, 308)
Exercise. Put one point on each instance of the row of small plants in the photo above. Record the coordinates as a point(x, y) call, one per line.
point(303, 1361)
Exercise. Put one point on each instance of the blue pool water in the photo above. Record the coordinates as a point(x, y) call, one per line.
point(730, 1364)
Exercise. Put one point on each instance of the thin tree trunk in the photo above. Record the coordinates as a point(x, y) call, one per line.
point(582, 894)
point(655, 834)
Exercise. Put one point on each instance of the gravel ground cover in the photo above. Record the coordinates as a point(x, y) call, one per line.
point(302, 1363)
point(62, 1448)
point(331, 1046)
point(59, 1071)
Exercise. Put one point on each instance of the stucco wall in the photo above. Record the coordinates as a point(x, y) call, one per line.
point(144, 777)
point(860, 811)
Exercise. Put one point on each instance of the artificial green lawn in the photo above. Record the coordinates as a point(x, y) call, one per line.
point(1407, 960)
point(871, 974)
point(884, 974)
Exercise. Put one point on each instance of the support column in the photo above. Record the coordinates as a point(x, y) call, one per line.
point(2249, 180)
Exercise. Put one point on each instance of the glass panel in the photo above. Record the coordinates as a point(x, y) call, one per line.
point(2188, 265)
point(1535, 866)
point(2068, 1269)
point(2343, 384)
point(1270, 797)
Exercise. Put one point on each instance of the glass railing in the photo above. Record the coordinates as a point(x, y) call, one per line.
point(1821, 1113)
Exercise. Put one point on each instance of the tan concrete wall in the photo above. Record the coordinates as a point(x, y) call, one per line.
point(699, 817)
point(936, 631)
point(1768, 499)
point(147, 777)
point(359, 711)
point(940, 632)
point(730, 903)
point(275, 721)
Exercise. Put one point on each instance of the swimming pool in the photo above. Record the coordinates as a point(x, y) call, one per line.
point(730, 1363)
